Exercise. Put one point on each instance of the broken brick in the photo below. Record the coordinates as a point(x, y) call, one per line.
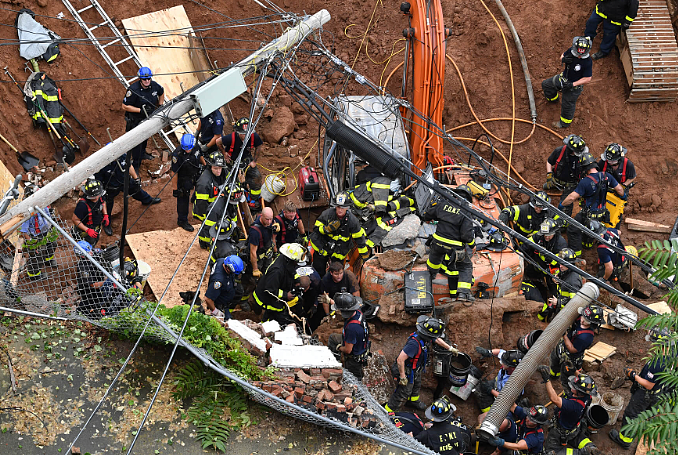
point(348, 401)
point(307, 399)
point(298, 391)
point(268, 387)
point(327, 395)
point(341, 408)
point(320, 406)
point(303, 377)
point(358, 411)
point(277, 390)
point(331, 406)
point(327, 372)
point(316, 371)
point(290, 399)
point(341, 396)
point(334, 386)
point(285, 394)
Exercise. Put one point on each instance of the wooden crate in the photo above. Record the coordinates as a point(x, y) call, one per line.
point(649, 54)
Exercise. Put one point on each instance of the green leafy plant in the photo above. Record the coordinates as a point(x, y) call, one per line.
point(660, 423)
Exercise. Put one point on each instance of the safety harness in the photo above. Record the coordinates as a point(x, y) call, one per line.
point(283, 224)
point(362, 357)
point(623, 176)
point(600, 196)
point(265, 252)
point(413, 363)
point(560, 157)
point(230, 150)
point(89, 210)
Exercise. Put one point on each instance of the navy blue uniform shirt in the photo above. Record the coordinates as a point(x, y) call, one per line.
point(579, 68)
point(605, 254)
point(587, 189)
point(233, 144)
point(210, 126)
point(187, 165)
point(511, 433)
point(571, 412)
point(221, 287)
point(354, 334)
point(534, 437)
point(138, 96)
point(580, 341)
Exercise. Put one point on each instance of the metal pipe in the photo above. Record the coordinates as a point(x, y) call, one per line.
point(32, 314)
point(546, 342)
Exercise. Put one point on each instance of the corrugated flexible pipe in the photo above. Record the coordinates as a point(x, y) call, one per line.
point(528, 365)
point(523, 60)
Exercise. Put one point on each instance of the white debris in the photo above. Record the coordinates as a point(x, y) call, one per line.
point(309, 356)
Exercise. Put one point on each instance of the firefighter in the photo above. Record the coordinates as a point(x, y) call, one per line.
point(568, 429)
point(577, 72)
point(646, 386)
point(562, 168)
point(186, 164)
point(40, 243)
point(454, 233)
point(210, 128)
point(261, 242)
point(354, 341)
point(90, 212)
point(407, 422)
point(221, 290)
point(208, 185)
point(568, 355)
point(445, 434)
point(567, 282)
point(538, 265)
point(614, 162)
point(411, 362)
point(337, 279)
point(141, 99)
point(231, 144)
point(611, 261)
point(615, 15)
point(94, 288)
point(112, 176)
point(332, 234)
point(229, 227)
point(274, 291)
point(593, 189)
point(528, 217)
point(530, 435)
point(487, 391)
point(288, 225)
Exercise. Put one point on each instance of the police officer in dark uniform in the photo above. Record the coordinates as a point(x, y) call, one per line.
point(646, 386)
point(562, 168)
point(208, 185)
point(577, 72)
point(90, 212)
point(567, 284)
point(186, 164)
point(534, 285)
point(454, 233)
point(354, 340)
point(530, 435)
point(221, 290)
point(261, 243)
point(568, 429)
point(446, 436)
point(528, 217)
point(142, 98)
point(568, 355)
point(593, 189)
point(411, 361)
point(288, 226)
point(210, 129)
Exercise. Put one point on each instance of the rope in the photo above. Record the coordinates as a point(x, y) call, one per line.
point(283, 173)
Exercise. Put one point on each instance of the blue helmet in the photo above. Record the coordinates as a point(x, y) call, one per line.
point(84, 245)
point(145, 73)
point(187, 141)
point(234, 264)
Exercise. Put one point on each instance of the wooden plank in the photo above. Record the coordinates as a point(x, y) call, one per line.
point(641, 225)
point(16, 265)
point(161, 41)
point(600, 351)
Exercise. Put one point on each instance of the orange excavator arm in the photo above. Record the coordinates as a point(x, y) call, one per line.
point(426, 37)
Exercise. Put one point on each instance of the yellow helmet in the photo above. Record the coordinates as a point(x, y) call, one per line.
point(631, 250)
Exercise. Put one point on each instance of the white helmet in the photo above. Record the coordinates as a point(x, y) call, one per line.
point(293, 251)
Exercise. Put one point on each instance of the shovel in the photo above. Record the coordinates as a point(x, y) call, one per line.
point(83, 145)
point(26, 159)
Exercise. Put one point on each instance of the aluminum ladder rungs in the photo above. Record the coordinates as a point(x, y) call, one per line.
point(97, 26)
point(85, 8)
point(104, 46)
point(123, 60)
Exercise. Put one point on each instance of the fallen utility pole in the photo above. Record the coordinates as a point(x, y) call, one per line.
point(204, 96)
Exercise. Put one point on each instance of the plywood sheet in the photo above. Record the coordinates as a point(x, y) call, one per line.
point(6, 181)
point(163, 250)
point(660, 307)
point(161, 40)
point(600, 351)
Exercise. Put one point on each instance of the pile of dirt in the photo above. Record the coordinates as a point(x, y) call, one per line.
point(396, 260)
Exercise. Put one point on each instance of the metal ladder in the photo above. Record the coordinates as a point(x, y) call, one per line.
point(132, 56)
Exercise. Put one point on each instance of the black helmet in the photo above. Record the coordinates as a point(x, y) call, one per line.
point(587, 161)
point(343, 301)
point(131, 268)
point(241, 125)
point(583, 383)
point(581, 45)
point(464, 191)
point(440, 410)
point(237, 194)
point(597, 227)
point(593, 314)
point(93, 188)
point(548, 227)
point(567, 254)
point(429, 327)
point(657, 334)
point(538, 414)
point(342, 200)
point(511, 358)
point(613, 152)
point(576, 144)
point(216, 158)
point(540, 199)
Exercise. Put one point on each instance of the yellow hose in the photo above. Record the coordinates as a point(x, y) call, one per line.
point(282, 175)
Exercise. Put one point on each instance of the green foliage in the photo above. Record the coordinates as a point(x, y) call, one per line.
point(218, 405)
point(659, 255)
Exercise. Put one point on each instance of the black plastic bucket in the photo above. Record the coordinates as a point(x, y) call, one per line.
point(441, 361)
point(597, 417)
point(111, 252)
point(460, 365)
point(526, 342)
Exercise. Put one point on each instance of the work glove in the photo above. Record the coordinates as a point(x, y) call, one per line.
point(176, 193)
point(256, 273)
point(558, 83)
point(135, 182)
point(567, 85)
point(332, 227)
point(545, 373)
point(218, 314)
point(496, 441)
point(370, 207)
point(403, 381)
point(304, 239)
point(203, 147)
point(630, 373)
point(92, 233)
point(568, 58)
point(324, 298)
point(550, 183)
point(626, 25)
point(453, 350)
point(107, 221)
point(504, 216)
point(483, 352)
point(625, 197)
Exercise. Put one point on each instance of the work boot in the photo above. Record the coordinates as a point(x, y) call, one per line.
point(186, 226)
point(418, 405)
point(598, 55)
point(614, 435)
point(559, 125)
point(464, 297)
point(108, 230)
point(154, 200)
point(51, 263)
point(147, 156)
